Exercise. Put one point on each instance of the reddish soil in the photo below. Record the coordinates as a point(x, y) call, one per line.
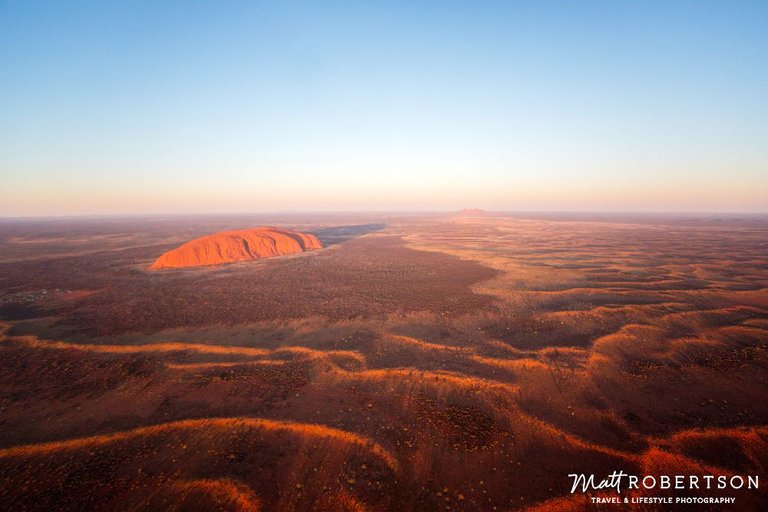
point(435, 363)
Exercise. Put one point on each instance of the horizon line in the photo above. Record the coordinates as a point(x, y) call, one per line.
point(385, 211)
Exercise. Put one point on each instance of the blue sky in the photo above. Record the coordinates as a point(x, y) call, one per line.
point(160, 107)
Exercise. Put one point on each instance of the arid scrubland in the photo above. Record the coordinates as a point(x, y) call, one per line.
point(414, 363)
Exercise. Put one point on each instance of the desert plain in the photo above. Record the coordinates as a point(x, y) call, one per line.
point(417, 362)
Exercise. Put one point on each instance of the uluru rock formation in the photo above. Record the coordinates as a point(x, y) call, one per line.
point(239, 245)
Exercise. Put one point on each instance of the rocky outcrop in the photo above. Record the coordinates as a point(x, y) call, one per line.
point(240, 245)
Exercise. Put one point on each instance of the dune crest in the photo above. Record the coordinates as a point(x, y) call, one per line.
point(240, 245)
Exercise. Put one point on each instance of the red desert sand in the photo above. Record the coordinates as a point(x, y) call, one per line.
point(241, 245)
point(424, 364)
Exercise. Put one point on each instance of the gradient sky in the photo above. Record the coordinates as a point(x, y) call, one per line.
point(162, 107)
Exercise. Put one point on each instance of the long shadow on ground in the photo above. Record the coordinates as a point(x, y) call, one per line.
point(337, 234)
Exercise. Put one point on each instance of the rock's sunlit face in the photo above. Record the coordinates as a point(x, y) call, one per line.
point(234, 246)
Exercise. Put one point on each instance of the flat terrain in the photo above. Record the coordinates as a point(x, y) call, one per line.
point(416, 363)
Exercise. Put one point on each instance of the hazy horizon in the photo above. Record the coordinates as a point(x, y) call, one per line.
point(585, 215)
point(292, 107)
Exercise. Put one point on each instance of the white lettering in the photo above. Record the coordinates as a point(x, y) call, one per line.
point(653, 485)
point(721, 482)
